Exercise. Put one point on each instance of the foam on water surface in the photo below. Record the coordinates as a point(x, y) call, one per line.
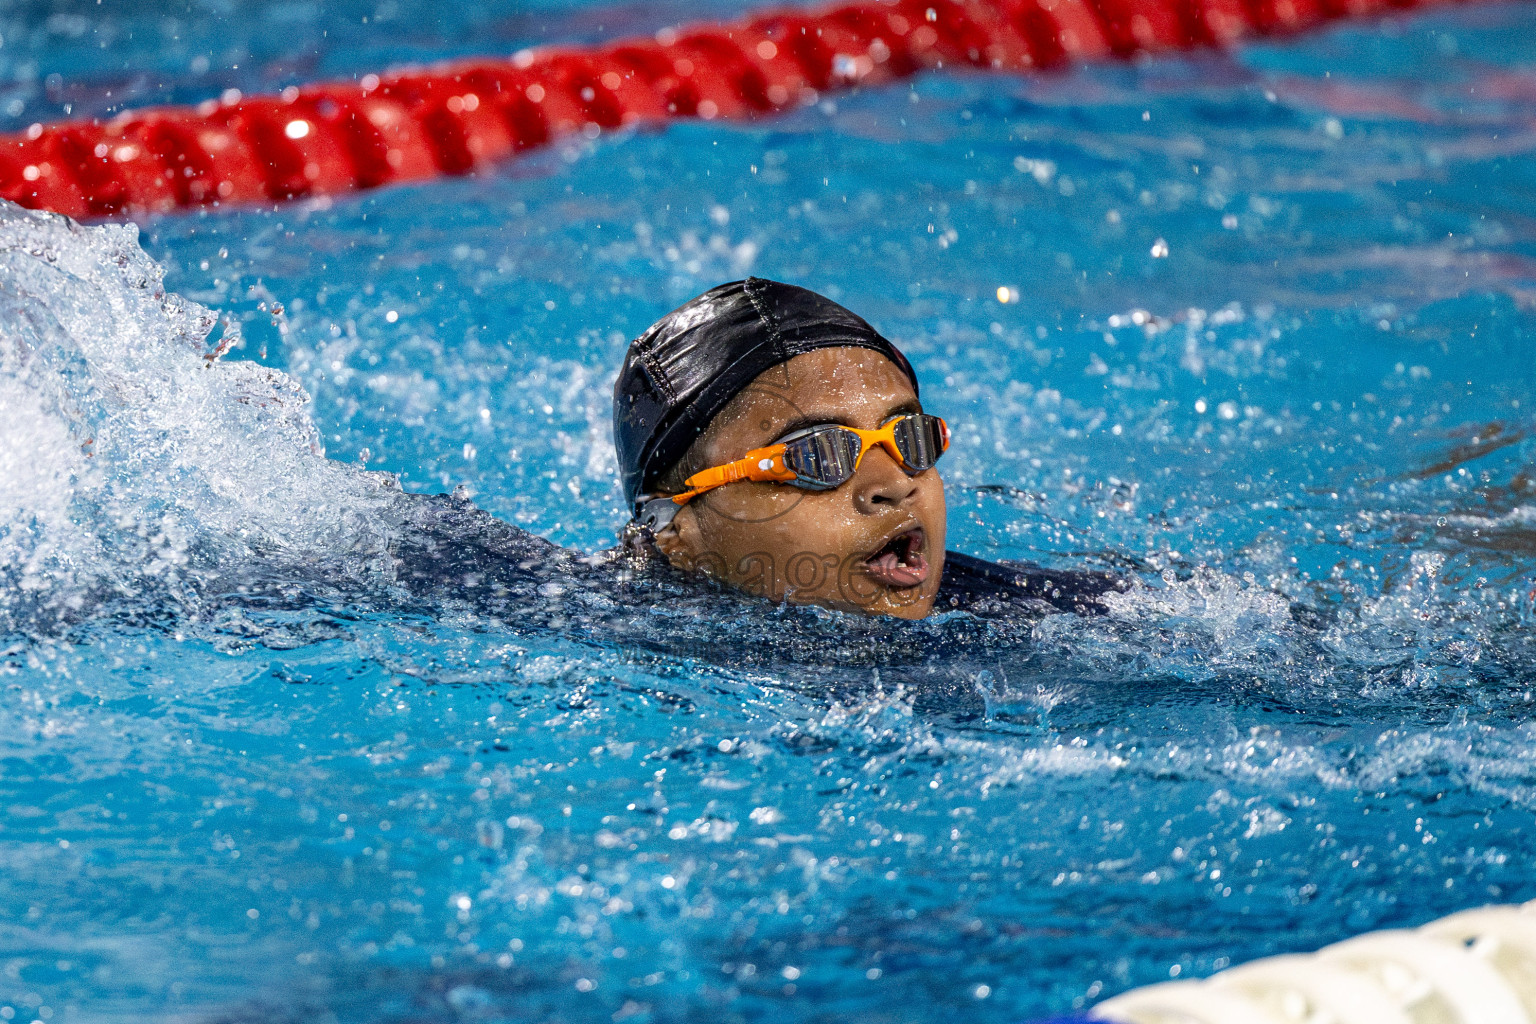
point(249, 774)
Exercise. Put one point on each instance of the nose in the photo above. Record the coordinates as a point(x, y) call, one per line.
point(881, 483)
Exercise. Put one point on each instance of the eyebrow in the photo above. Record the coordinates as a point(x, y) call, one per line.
point(912, 405)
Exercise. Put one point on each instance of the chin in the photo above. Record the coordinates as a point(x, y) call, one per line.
point(887, 602)
point(918, 609)
point(909, 603)
point(894, 602)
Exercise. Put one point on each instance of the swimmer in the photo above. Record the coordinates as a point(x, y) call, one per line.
point(772, 439)
point(770, 442)
point(772, 448)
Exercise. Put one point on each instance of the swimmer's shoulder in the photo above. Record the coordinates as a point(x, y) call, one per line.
point(446, 543)
point(989, 588)
point(442, 538)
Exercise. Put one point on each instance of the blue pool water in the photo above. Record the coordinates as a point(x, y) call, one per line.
point(1267, 347)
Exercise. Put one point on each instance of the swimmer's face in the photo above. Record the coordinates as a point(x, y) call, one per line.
point(874, 545)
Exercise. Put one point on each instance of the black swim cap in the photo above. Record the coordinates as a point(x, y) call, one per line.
point(682, 371)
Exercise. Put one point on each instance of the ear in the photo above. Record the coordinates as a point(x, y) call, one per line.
point(680, 540)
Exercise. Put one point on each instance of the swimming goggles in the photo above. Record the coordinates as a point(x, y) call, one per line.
point(817, 458)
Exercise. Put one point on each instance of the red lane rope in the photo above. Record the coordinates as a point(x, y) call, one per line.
point(415, 124)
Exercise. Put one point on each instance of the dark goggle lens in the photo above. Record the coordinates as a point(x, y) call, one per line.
point(824, 458)
point(921, 439)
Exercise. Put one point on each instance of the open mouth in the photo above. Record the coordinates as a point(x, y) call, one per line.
point(900, 563)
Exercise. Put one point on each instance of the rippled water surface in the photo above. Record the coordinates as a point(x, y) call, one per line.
point(1266, 346)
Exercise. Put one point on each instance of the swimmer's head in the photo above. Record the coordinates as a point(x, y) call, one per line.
point(742, 368)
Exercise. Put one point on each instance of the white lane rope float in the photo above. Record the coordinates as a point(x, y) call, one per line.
point(1475, 967)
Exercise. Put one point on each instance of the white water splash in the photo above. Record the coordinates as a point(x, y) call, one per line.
point(131, 458)
point(1226, 605)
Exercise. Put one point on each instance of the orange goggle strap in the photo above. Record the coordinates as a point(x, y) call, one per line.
point(655, 512)
point(762, 464)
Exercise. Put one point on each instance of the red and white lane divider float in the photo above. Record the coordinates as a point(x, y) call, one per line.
point(419, 123)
